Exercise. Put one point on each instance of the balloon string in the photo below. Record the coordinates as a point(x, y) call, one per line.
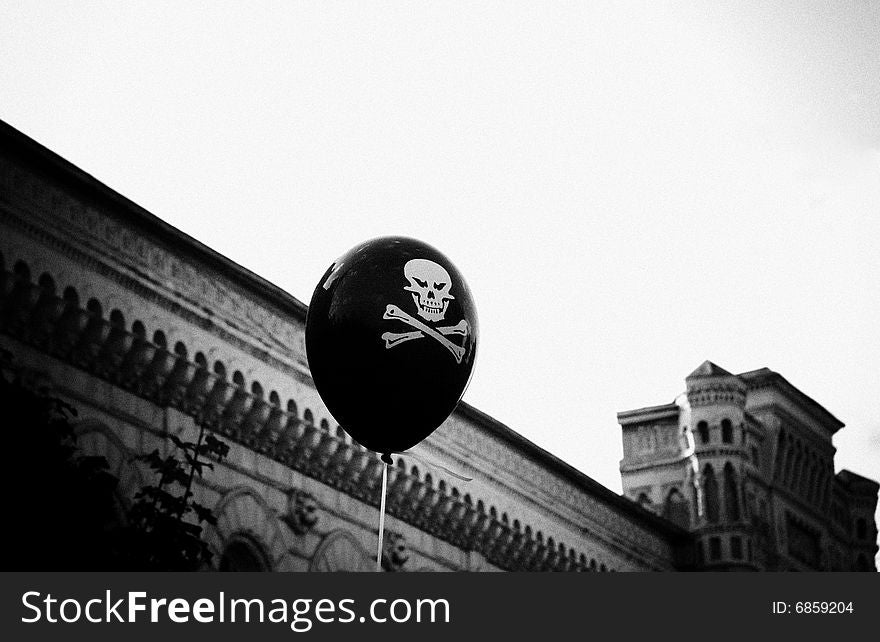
point(428, 462)
point(382, 516)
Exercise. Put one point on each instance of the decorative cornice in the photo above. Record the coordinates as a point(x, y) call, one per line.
point(716, 391)
point(765, 378)
point(649, 414)
point(785, 420)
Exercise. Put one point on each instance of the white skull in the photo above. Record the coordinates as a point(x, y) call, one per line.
point(430, 285)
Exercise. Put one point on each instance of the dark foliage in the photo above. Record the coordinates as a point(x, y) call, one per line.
point(62, 506)
point(164, 532)
point(64, 509)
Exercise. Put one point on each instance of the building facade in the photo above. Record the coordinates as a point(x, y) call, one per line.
point(146, 331)
point(745, 463)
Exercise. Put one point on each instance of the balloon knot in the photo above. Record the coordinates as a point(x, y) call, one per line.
point(386, 457)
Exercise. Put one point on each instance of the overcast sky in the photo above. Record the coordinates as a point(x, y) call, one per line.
point(629, 188)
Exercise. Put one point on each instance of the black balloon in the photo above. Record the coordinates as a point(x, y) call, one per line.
point(391, 336)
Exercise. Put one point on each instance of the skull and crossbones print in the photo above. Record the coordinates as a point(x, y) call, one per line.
point(430, 286)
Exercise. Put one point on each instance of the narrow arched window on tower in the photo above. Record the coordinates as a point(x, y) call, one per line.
point(726, 431)
point(703, 430)
point(731, 493)
point(710, 492)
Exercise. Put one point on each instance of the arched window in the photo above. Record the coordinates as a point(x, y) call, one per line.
point(644, 501)
point(703, 431)
point(731, 494)
point(710, 492)
point(726, 431)
point(675, 508)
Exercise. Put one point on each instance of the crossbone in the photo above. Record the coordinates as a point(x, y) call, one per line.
point(421, 330)
point(393, 338)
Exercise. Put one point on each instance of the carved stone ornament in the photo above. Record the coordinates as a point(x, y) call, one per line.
point(302, 511)
point(394, 553)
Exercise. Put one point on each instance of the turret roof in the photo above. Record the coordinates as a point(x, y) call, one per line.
point(709, 369)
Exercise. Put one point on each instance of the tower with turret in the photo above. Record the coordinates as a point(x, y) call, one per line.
point(714, 408)
point(745, 463)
